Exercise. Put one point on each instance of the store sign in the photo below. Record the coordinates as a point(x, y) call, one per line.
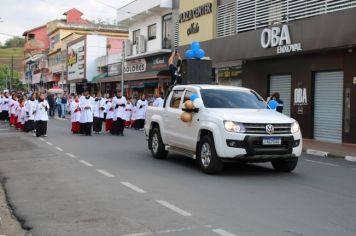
point(196, 12)
point(135, 66)
point(193, 14)
point(300, 97)
point(279, 37)
point(76, 61)
point(157, 63)
point(114, 69)
point(354, 80)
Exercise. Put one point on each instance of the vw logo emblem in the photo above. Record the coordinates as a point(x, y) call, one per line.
point(269, 129)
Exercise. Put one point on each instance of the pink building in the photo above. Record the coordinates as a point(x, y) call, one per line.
point(36, 39)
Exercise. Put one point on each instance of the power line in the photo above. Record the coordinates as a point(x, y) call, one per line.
point(116, 8)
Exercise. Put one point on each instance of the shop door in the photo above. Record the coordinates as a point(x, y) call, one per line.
point(328, 100)
point(282, 85)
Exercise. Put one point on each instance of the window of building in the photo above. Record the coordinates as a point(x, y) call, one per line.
point(135, 36)
point(54, 41)
point(31, 36)
point(152, 31)
point(167, 31)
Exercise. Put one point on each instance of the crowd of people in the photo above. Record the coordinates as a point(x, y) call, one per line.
point(30, 112)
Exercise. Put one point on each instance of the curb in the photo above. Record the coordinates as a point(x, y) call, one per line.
point(320, 153)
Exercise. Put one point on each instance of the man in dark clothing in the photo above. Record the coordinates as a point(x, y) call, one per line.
point(175, 71)
point(52, 105)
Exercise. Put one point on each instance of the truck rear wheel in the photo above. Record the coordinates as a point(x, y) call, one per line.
point(157, 146)
point(209, 161)
point(287, 165)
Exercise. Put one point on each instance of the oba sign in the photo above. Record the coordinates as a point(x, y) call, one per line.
point(279, 37)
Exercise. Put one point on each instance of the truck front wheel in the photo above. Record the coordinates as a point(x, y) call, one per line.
point(157, 147)
point(209, 161)
point(287, 165)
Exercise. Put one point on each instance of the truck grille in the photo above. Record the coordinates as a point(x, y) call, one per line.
point(261, 128)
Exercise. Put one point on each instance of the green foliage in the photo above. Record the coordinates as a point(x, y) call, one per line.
point(14, 42)
point(5, 72)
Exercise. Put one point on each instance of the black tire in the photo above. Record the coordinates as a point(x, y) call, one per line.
point(156, 144)
point(287, 165)
point(212, 164)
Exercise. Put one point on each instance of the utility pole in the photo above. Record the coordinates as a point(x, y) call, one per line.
point(122, 67)
point(12, 71)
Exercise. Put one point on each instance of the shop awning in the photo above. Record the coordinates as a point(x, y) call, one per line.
point(164, 74)
point(98, 77)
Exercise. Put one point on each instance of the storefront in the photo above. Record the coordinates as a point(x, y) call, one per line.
point(147, 76)
point(313, 70)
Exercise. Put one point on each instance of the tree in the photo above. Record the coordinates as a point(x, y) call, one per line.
point(15, 42)
point(5, 72)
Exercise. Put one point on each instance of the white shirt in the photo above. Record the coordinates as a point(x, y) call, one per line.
point(86, 105)
point(13, 104)
point(99, 108)
point(41, 111)
point(128, 112)
point(120, 104)
point(141, 109)
point(110, 110)
point(158, 102)
point(30, 107)
point(5, 103)
point(74, 111)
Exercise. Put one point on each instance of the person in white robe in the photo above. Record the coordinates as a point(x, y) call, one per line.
point(141, 106)
point(41, 116)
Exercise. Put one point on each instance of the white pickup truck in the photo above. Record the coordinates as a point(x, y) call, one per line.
point(232, 124)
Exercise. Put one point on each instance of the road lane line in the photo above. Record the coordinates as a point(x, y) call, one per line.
point(223, 232)
point(350, 158)
point(41, 139)
point(320, 162)
point(86, 163)
point(50, 144)
point(167, 231)
point(70, 155)
point(59, 149)
point(133, 187)
point(138, 234)
point(173, 208)
point(107, 174)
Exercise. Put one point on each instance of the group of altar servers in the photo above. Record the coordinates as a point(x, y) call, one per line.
point(25, 114)
point(90, 112)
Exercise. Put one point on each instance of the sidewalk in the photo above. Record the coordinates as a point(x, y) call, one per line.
point(329, 149)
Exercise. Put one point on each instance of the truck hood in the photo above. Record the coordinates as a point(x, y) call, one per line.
point(251, 115)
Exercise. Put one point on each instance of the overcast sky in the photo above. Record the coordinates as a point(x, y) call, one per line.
point(17, 16)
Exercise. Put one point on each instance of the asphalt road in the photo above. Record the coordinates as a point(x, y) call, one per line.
point(66, 184)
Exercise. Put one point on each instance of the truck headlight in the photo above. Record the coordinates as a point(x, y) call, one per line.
point(294, 128)
point(231, 126)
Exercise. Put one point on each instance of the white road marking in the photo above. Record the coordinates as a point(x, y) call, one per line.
point(350, 158)
point(50, 144)
point(139, 234)
point(167, 231)
point(3, 129)
point(133, 187)
point(41, 139)
point(173, 208)
point(86, 163)
point(320, 162)
point(223, 232)
point(59, 149)
point(70, 155)
point(317, 153)
point(107, 174)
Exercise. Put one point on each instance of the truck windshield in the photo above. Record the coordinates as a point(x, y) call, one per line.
point(229, 98)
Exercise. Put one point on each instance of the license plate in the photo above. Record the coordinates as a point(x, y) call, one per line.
point(271, 141)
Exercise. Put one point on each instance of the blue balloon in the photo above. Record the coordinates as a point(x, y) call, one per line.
point(193, 97)
point(200, 53)
point(195, 46)
point(273, 104)
point(189, 54)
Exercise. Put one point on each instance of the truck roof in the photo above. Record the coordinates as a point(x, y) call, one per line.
point(210, 86)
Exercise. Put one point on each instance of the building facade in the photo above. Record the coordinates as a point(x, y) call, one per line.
point(151, 35)
point(303, 49)
point(62, 32)
point(36, 61)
